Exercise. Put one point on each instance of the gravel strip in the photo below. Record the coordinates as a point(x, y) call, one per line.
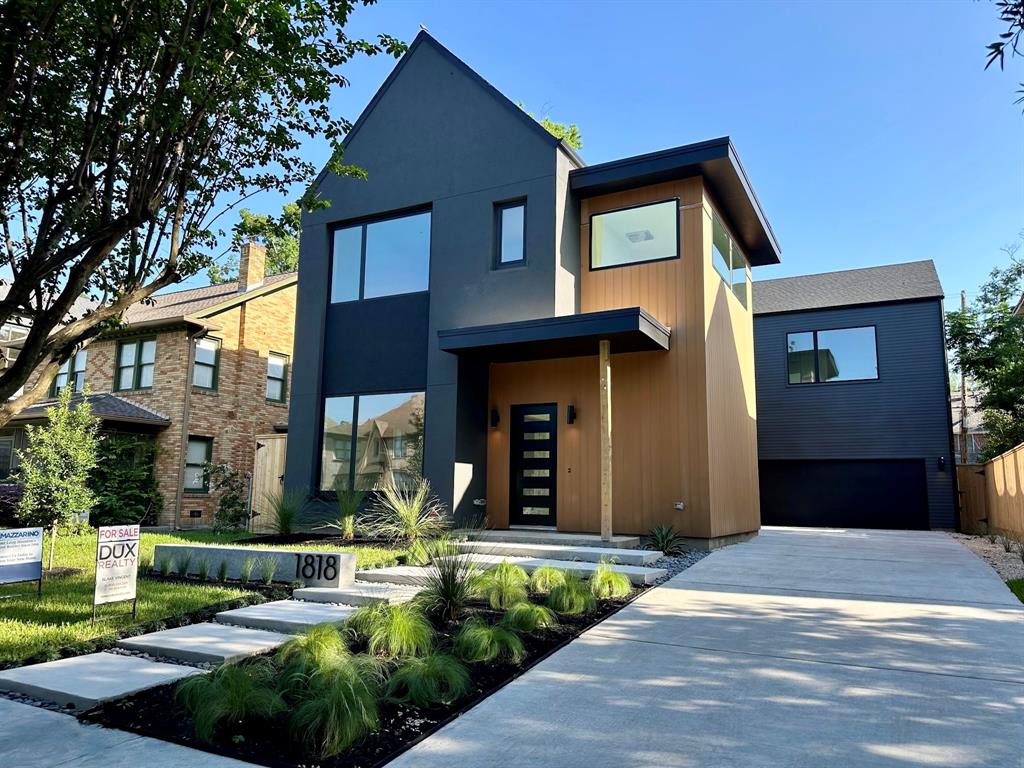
point(1009, 565)
point(676, 564)
point(205, 665)
point(23, 699)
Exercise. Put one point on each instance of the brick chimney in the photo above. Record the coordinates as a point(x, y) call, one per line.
point(251, 266)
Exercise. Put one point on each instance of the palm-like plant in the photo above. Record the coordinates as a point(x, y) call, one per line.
point(393, 631)
point(229, 695)
point(284, 508)
point(434, 679)
point(349, 501)
point(448, 582)
point(503, 586)
point(606, 583)
point(665, 539)
point(410, 516)
point(478, 641)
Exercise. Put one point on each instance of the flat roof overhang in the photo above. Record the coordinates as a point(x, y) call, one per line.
point(717, 162)
point(629, 330)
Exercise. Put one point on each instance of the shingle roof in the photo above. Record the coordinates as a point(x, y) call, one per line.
point(106, 406)
point(168, 306)
point(871, 285)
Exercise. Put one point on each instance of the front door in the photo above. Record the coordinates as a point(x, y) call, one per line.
point(533, 464)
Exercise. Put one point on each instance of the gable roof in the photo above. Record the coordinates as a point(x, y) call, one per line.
point(105, 405)
point(178, 306)
point(870, 285)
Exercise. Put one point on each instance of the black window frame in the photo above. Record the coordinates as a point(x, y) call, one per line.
point(679, 244)
point(817, 375)
point(216, 364)
point(498, 227)
point(283, 379)
point(72, 373)
point(209, 459)
point(136, 365)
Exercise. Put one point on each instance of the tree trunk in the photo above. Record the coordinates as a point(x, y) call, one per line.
point(53, 541)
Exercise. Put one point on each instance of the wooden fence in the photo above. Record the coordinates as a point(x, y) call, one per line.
point(992, 494)
point(267, 478)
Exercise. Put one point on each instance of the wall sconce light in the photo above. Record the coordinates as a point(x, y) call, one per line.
point(495, 417)
point(942, 463)
point(570, 414)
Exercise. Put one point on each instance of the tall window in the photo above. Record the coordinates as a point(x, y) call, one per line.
point(634, 235)
point(277, 375)
point(510, 233)
point(206, 365)
point(135, 362)
point(381, 258)
point(197, 454)
point(372, 441)
point(71, 374)
point(840, 354)
point(729, 261)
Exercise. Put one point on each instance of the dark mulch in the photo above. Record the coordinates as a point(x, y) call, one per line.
point(155, 712)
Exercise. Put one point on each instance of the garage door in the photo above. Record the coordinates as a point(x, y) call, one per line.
point(844, 494)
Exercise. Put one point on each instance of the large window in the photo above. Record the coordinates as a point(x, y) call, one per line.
point(384, 448)
point(634, 235)
point(840, 354)
point(277, 376)
point(206, 366)
point(510, 231)
point(197, 454)
point(729, 261)
point(135, 362)
point(382, 258)
point(71, 374)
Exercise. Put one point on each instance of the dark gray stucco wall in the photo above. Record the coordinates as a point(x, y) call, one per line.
point(904, 414)
point(435, 136)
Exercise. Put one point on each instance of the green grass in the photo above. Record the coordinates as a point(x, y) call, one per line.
point(29, 625)
point(1017, 587)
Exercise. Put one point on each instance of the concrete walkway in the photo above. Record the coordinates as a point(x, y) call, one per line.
point(801, 648)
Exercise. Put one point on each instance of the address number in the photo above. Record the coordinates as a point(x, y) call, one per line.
point(320, 567)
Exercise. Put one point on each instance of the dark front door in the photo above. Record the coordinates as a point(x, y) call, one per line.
point(533, 462)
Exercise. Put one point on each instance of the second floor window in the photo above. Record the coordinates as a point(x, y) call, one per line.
point(839, 354)
point(510, 231)
point(71, 374)
point(135, 362)
point(632, 235)
point(381, 258)
point(728, 260)
point(206, 365)
point(277, 375)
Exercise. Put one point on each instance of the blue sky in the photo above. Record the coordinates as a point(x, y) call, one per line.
point(871, 131)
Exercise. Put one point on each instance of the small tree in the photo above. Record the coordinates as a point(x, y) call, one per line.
point(232, 508)
point(56, 464)
point(124, 481)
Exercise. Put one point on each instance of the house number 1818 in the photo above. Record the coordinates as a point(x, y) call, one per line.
point(319, 567)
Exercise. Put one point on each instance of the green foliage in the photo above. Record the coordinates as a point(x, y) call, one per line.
point(1011, 12)
point(546, 578)
point(529, 618)
point(503, 586)
point(245, 571)
point(606, 583)
point(405, 515)
point(572, 597)
point(166, 565)
point(448, 582)
point(1017, 587)
point(284, 510)
point(203, 569)
point(429, 680)
point(229, 485)
point(479, 641)
point(1007, 543)
point(393, 630)
point(268, 567)
point(987, 342)
point(349, 501)
point(569, 133)
point(665, 539)
point(320, 647)
point(230, 695)
point(280, 235)
point(222, 571)
point(123, 481)
point(56, 464)
point(184, 563)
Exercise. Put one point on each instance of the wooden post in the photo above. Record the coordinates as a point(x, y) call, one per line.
point(606, 439)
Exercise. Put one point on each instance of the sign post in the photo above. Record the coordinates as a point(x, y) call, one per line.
point(21, 556)
point(117, 566)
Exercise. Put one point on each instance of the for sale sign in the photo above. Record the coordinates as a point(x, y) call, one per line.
point(21, 555)
point(117, 563)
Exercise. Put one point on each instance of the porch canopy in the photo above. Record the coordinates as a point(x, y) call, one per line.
point(627, 330)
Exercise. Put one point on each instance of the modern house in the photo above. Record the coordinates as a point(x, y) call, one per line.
point(563, 346)
point(203, 371)
point(853, 399)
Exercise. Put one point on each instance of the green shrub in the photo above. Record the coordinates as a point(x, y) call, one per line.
point(203, 569)
point(528, 617)
point(166, 565)
point(447, 584)
point(478, 641)
point(665, 539)
point(123, 481)
point(503, 586)
point(418, 553)
point(319, 647)
point(229, 695)
point(284, 509)
point(572, 597)
point(407, 515)
point(434, 679)
point(339, 706)
point(245, 572)
point(546, 578)
point(222, 571)
point(606, 583)
point(349, 501)
point(393, 631)
point(184, 562)
point(268, 567)
point(229, 485)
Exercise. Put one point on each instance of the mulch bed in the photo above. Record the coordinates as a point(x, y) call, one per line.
point(155, 713)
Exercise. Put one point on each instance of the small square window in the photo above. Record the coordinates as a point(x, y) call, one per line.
point(510, 224)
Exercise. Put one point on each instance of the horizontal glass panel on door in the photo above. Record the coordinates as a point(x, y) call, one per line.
point(635, 235)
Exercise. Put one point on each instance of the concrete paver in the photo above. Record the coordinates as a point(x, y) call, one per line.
point(207, 642)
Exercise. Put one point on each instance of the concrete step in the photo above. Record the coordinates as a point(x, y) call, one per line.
point(637, 574)
point(208, 642)
point(86, 681)
point(287, 616)
point(527, 536)
point(359, 593)
point(408, 575)
point(562, 552)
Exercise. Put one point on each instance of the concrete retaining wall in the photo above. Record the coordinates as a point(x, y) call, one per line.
point(312, 569)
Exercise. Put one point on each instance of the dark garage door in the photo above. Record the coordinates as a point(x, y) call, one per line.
point(844, 494)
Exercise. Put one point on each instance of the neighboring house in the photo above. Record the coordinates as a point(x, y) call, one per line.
point(853, 399)
point(204, 370)
point(455, 306)
point(975, 429)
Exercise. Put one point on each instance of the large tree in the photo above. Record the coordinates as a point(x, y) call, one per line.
point(279, 234)
point(1011, 13)
point(128, 128)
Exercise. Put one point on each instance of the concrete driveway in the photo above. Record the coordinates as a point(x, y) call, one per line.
point(802, 647)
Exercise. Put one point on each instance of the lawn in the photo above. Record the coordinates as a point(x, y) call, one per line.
point(63, 615)
point(1017, 587)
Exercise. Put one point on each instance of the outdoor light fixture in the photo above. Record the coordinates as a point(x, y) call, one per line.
point(942, 463)
point(570, 414)
point(495, 417)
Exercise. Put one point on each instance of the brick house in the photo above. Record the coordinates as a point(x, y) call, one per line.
point(204, 370)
